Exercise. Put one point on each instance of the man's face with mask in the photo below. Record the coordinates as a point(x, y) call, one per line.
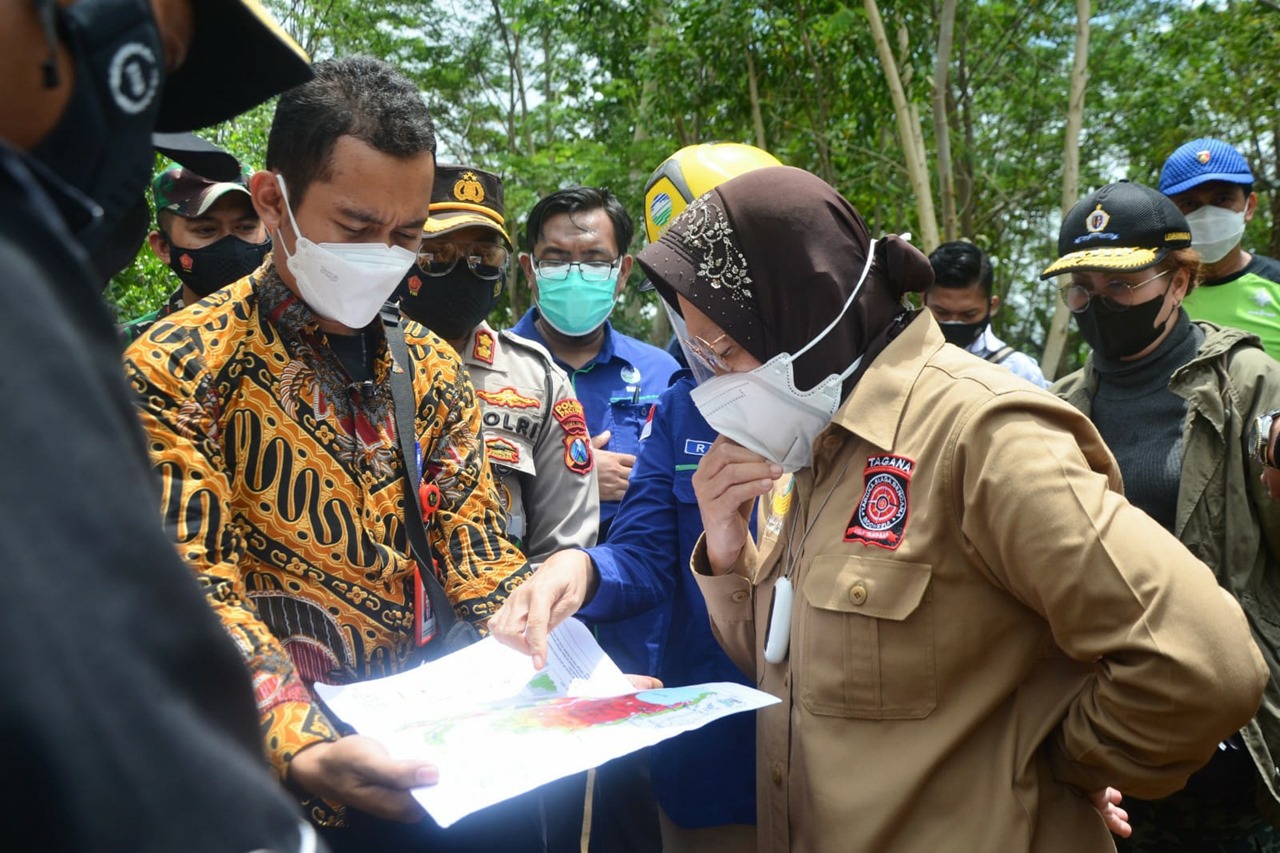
point(230, 223)
point(1217, 212)
point(963, 312)
point(365, 197)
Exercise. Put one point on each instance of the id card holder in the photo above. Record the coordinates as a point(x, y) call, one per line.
point(424, 620)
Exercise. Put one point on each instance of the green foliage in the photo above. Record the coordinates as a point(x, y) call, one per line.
point(549, 93)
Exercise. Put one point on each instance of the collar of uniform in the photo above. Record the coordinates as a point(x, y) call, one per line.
point(528, 328)
point(874, 408)
point(986, 343)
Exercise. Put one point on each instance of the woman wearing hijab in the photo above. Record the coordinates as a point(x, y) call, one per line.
point(1175, 400)
point(967, 624)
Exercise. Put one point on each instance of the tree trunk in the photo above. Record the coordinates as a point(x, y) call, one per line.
point(941, 127)
point(511, 46)
point(1056, 340)
point(753, 91)
point(917, 170)
point(966, 180)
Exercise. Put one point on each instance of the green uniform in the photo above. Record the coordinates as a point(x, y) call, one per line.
point(1249, 300)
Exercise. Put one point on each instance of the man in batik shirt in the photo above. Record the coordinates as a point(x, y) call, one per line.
point(269, 415)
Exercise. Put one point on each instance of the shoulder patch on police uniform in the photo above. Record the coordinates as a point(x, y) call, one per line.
point(502, 451)
point(577, 442)
point(881, 516)
point(482, 349)
point(507, 397)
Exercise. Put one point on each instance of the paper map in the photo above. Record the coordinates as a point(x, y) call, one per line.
point(497, 728)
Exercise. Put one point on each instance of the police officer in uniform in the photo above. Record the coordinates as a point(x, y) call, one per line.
point(534, 429)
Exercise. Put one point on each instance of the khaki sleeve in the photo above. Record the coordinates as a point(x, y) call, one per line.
point(562, 500)
point(178, 408)
point(1175, 668)
point(731, 602)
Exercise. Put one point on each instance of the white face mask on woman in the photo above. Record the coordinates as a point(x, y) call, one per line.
point(764, 411)
point(344, 282)
point(1215, 231)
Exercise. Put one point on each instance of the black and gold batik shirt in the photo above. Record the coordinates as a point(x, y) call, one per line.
point(283, 486)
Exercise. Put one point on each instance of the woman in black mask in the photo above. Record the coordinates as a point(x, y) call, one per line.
point(1184, 406)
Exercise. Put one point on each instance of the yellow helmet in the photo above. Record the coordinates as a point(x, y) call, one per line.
point(692, 171)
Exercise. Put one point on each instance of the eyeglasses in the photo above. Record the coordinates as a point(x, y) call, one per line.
point(559, 270)
point(487, 260)
point(706, 353)
point(1116, 295)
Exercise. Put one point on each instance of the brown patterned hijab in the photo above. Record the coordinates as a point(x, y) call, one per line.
point(772, 256)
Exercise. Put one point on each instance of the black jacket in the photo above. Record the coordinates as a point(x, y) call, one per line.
point(126, 714)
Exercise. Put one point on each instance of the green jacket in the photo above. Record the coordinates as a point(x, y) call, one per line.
point(1224, 515)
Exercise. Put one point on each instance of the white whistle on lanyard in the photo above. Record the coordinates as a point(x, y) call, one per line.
point(778, 640)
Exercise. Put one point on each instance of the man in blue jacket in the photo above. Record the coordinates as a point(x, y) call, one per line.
point(704, 781)
point(575, 258)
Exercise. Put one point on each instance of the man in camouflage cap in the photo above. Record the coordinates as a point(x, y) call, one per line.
point(207, 232)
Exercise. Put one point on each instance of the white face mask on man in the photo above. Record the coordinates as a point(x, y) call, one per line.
point(1215, 231)
point(344, 282)
point(764, 411)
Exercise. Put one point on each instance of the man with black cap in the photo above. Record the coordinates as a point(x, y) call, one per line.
point(207, 232)
point(1212, 184)
point(534, 429)
point(129, 719)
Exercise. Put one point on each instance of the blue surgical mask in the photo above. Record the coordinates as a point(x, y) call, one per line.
point(573, 305)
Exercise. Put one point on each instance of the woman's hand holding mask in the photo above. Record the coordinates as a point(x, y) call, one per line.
point(727, 483)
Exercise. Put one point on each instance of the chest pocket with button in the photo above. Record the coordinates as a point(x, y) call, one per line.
point(866, 635)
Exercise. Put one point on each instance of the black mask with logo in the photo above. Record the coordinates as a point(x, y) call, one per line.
point(964, 334)
point(1120, 334)
point(216, 265)
point(102, 144)
point(451, 305)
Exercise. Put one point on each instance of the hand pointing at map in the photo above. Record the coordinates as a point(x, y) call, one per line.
point(563, 583)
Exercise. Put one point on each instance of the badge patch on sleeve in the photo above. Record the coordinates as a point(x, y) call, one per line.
point(881, 516)
point(482, 349)
point(502, 451)
point(577, 441)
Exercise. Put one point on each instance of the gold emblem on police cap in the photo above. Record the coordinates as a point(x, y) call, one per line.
point(1097, 220)
point(469, 188)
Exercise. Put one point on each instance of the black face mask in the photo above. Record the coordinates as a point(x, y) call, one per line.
point(102, 144)
point(216, 265)
point(451, 305)
point(964, 334)
point(1120, 334)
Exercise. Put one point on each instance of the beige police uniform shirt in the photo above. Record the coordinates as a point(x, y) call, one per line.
point(983, 627)
point(536, 436)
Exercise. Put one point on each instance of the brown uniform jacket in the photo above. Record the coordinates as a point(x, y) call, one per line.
point(982, 628)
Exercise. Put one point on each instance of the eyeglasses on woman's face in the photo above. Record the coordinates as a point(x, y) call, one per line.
point(705, 352)
point(1117, 294)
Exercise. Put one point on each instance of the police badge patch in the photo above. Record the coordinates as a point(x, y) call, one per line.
point(881, 516)
point(577, 446)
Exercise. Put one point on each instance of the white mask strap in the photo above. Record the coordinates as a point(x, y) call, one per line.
point(866, 268)
point(288, 209)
